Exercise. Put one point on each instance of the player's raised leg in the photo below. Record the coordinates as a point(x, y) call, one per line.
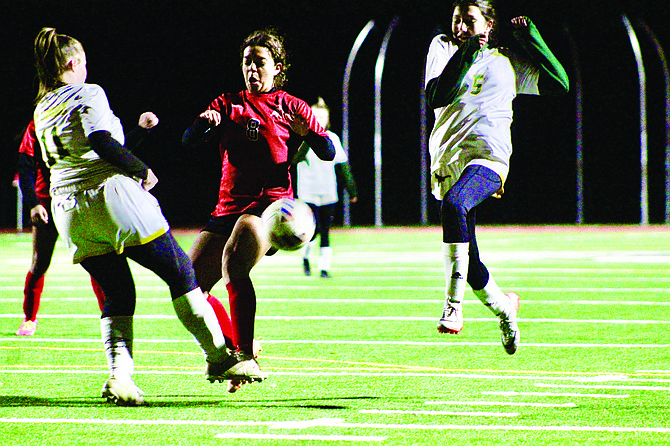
point(505, 306)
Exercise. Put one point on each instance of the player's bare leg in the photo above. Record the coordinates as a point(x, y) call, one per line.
point(246, 246)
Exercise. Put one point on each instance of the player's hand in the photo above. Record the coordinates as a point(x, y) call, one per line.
point(39, 215)
point(213, 117)
point(151, 181)
point(298, 123)
point(520, 22)
point(353, 199)
point(148, 120)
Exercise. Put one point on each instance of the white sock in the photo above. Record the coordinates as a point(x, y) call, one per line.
point(197, 315)
point(325, 257)
point(493, 297)
point(455, 270)
point(307, 249)
point(117, 337)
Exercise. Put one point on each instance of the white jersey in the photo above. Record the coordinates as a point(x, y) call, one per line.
point(475, 127)
point(97, 208)
point(63, 120)
point(317, 181)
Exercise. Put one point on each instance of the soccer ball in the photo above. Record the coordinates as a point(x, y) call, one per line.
point(290, 224)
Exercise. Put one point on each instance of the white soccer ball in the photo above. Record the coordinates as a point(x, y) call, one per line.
point(290, 224)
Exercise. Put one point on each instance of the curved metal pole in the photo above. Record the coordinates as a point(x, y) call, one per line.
point(19, 206)
point(379, 70)
point(423, 145)
point(666, 77)
point(345, 109)
point(644, 189)
point(578, 128)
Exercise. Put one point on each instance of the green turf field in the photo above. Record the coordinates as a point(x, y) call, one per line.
point(356, 359)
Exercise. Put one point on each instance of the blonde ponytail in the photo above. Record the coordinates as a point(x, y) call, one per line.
point(52, 53)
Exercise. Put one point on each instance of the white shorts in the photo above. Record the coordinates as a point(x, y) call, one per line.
point(106, 219)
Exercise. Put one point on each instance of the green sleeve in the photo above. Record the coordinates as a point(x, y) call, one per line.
point(442, 90)
point(344, 174)
point(553, 78)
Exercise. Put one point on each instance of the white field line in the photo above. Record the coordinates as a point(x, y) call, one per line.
point(612, 387)
point(335, 422)
point(318, 301)
point(558, 395)
point(273, 272)
point(441, 413)
point(493, 376)
point(362, 288)
point(24, 340)
point(497, 403)
point(273, 437)
point(364, 318)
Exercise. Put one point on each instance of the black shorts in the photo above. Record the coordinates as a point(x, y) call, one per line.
point(224, 225)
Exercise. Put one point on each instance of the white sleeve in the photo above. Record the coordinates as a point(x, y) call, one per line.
point(96, 114)
point(439, 53)
point(340, 154)
point(526, 74)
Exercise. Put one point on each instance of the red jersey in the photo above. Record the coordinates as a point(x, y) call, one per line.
point(27, 147)
point(257, 146)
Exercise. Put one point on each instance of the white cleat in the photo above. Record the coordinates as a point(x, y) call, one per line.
point(122, 392)
point(247, 370)
point(452, 318)
point(510, 334)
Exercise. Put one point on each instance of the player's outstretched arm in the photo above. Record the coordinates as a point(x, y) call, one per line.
point(199, 131)
point(139, 134)
point(553, 78)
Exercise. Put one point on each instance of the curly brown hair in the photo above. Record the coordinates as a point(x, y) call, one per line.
point(273, 40)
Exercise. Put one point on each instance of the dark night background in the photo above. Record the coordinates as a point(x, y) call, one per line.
point(173, 58)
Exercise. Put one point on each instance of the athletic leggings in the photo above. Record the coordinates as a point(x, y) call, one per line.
point(324, 217)
point(163, 256)
point(476, 184)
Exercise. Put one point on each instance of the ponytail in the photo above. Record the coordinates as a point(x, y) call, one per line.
point(52, 53)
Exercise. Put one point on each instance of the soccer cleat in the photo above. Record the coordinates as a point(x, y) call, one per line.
point(307, 269)
point(27, 328)
point(510, 334)
point(247, 369)
point(452, 318)
point(122, 392)
point(325, 275)
point(236, 384)
point(218, 371)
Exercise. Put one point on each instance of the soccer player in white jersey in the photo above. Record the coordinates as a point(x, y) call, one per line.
point(317, 186)
point(470, 84)
point(103, 210)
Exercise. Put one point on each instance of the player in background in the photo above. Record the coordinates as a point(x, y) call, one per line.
point(34, 184)
point(317, 186)
point(258, 131)
point(470, 84)
point(103, 211)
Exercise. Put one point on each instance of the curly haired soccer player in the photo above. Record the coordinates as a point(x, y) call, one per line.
point(470, 84)
point(103, 211)
point(258, 130)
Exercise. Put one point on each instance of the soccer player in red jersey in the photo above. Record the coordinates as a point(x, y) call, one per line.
point(259, 131)
point(34, 184)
